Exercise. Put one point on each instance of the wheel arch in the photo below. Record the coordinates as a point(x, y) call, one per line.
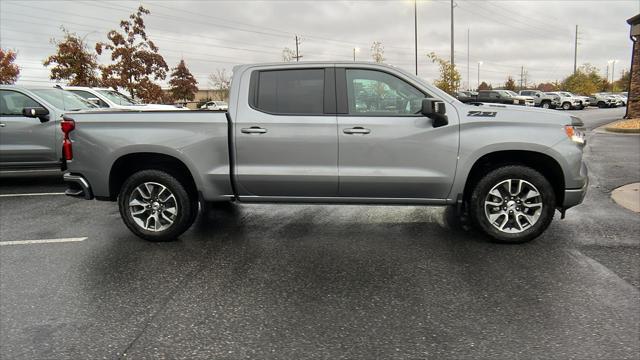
point(130, 163)
point(543, 163)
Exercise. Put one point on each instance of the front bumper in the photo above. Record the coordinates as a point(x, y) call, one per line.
point(573, 197)
point(77, 186)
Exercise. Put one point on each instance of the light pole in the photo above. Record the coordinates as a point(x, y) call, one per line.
point(479, 63)
point(415, 31)
point(354, 53)
point(613, 71)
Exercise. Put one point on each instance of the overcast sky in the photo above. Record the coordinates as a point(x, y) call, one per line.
point(210, 35)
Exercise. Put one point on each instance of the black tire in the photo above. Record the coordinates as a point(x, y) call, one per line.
point(186, 205)
point(495, 177)
point(566, 106)
point(601, 104)
point(546, 105)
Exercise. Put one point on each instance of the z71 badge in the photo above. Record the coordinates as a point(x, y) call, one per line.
point(482, 113)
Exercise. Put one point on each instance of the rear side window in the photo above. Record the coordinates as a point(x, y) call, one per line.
point(296, 91)
point(87, 95)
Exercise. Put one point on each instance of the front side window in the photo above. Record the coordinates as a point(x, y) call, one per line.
point(12, 102)
point(373, 92)
point(297, 91)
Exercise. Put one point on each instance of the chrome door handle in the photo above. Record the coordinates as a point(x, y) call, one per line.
point(254, 130)
point(357, 130)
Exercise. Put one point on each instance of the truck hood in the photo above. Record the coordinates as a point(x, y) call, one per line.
point(514, 113)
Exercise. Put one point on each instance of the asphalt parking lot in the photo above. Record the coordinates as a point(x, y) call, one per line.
point(298, 281)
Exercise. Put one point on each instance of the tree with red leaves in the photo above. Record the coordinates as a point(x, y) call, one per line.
point(9, 71)
point(74, 63)
point(183, 85)
point(137, 62)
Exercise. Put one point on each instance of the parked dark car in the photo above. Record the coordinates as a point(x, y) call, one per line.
point(504, 97)
point(467, 96)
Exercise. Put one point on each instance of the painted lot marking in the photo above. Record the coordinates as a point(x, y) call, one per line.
point(31, 194)
point(42, 241)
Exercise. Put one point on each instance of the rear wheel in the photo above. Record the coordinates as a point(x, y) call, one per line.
point(155, 206)
point(513, 204)
point(566, 106)
point(601, 104)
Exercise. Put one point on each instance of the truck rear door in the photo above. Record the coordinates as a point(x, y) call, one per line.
point(286, 142)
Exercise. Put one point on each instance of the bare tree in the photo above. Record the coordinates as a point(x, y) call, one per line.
point(288, 54)
point(222, 82)
point(377, 52)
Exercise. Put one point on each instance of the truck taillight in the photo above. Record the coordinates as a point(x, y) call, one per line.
point(67, 125)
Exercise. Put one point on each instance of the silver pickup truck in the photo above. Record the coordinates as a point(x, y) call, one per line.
point(331, 133)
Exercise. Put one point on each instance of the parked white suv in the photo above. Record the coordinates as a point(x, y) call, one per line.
point(215, 105)
point(567, 102)
point(109, 98)
point(541, 99)
point(584, 100)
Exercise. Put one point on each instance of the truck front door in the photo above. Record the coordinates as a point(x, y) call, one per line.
point(24, 141)
point(286, 142)
point(388, 149)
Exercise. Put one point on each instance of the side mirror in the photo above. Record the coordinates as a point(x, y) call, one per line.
point(435, 110)
point(36, 112)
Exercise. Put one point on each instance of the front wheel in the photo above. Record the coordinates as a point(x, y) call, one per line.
point(513, 204)
point(155, 206)
point(566, 106)
point(546, 105)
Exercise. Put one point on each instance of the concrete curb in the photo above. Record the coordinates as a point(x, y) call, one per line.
point(628, 196)
point(603, 129)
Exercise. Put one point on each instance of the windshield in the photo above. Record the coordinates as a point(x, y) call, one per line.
point(566, 94)
point(63, 100)
point(117, 98)
point(511, 93)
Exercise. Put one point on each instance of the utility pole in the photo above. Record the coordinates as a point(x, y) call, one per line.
point(479, 63)
point(575, 52)
point(298, 56)
point(468, 69)
point(521, 77)
point(452, 62)
point(415, 31)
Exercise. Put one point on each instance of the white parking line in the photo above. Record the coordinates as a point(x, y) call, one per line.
point(31, 194)
point(43, 241)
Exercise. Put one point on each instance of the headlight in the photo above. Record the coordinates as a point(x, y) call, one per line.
point(574, 134)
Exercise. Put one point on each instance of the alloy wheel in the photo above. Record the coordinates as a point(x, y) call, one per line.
point(153, 206)
point(513, 206)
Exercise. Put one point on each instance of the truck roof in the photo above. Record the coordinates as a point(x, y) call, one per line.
point(312, 63)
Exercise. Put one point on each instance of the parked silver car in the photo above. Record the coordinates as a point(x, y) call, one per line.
point(30, 135)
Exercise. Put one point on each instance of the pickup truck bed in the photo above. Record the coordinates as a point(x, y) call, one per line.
point(116, 142)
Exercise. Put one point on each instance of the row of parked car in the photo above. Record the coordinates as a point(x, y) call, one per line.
point(548, 100)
